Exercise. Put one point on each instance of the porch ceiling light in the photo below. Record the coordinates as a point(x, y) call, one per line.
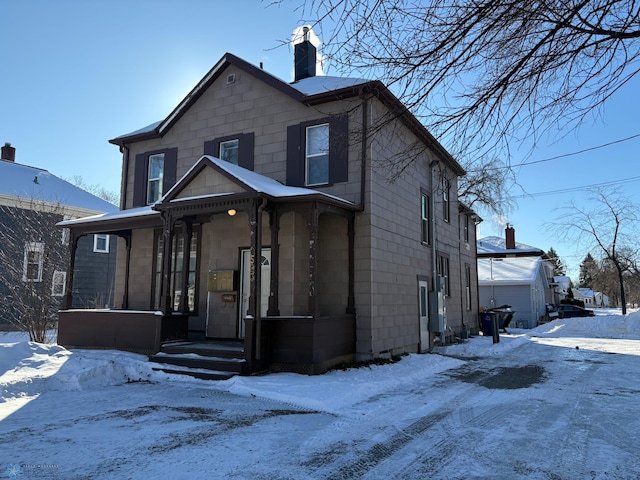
point(231, 212)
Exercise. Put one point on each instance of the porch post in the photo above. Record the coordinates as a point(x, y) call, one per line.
point(125, 295)
point(351, 303)
point(313, 260)
point(187, 235)
point(255, 274)
point(68, 292)
point(274, 224)
point(165, 288)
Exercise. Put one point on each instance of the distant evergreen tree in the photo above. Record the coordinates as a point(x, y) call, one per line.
point(589, 270)
point(559, 268)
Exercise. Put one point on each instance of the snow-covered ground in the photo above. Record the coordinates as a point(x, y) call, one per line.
point(556, 402)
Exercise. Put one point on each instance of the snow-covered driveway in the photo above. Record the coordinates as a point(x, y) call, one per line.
point(532, 406)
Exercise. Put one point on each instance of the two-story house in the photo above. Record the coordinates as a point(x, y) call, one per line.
point(35, 254)
point(276, 213)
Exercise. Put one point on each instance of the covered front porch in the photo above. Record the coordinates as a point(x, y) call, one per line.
point(296, 315)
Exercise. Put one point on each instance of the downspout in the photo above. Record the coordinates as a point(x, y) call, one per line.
point(125, 175)
point(258, 277)
point(363, 150)
point(434, 270)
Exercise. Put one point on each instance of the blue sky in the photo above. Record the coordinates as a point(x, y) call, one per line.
point(77, 73)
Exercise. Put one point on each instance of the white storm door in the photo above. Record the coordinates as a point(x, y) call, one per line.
point(245, 285)
point(423, 306)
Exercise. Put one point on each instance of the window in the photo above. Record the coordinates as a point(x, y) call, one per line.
point(229, 151)
point(33, 262)
point(317, 155)
point(465, 228)
point(426, 237)
point(442, 264)
point(154, 179)
point(318, 152)
point(467, 285)
point(154, 175)
point(446, 190)
point(183, 275)
point(66, 233)
point(58, 283)
point(101, 243)
point(236, 149)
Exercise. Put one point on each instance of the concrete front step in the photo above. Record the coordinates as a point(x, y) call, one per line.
point(210, 361)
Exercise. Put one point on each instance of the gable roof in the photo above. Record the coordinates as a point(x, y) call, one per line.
point(488, 246)
point(251, 182)
point(309, 91)
point(508, 271)
point(22, 184)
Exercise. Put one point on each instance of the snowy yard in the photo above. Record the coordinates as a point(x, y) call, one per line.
point(557, 402)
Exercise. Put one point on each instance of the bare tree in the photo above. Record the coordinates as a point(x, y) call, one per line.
point(484, 74)
point(608, 226)
point(97, 190)
point(34, 259)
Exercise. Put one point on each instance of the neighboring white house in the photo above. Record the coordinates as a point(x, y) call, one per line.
point(601, 300)
point(585, 295)
point(562, 285)
point(511, 273)
point(520, 282)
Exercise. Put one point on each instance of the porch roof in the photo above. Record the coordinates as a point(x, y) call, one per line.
point(255, 185)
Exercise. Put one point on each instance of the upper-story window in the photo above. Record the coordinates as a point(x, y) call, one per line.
point(58, 283)
point(101, 243)
point(229, 151)
point(317, 155)
point(465, 228)
point(236, 149)
point(446, 192)
point(425, 233)
point(154, 175)
point(154, 179)
point(318, 152)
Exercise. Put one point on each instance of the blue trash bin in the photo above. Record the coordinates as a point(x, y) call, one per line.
point(486, 322)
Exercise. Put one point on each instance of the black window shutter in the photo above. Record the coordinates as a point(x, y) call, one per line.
point(245, 150)
point(170, 168)
point(140, 180)
point(339, 149)
point(212, 147)
point(295, 156)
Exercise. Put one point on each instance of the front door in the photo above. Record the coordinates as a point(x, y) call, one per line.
point(245, 286)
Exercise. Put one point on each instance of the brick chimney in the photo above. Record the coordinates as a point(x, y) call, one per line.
point(8, 152)
point(304, 55)
point(510, 237)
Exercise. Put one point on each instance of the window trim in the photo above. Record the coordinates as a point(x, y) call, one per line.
point(158, 179)
point(245, 148)
point(222, 145)
point(37, 247)
point(308, 157)
point(141, 174)
point(443, 269)
point(446, 199)
point(425, 220)
point(96, 237)
point(57, 274)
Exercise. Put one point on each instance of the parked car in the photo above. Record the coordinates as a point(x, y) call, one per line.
point(567, 311)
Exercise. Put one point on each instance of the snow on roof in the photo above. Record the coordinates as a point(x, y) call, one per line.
point(259, 183)
point(322, 84)
point(28, 183)
point(587, 292)
point(105, 217)
point(489, 245)
point(511, 270)
point(147, 129)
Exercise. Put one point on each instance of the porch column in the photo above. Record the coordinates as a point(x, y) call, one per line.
point(313, 260)
point(255, 273)
point(187, 235)
point(68, 287)
point(274, 224)
point(125, 296)
point(351, 303)
point(165, 287)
